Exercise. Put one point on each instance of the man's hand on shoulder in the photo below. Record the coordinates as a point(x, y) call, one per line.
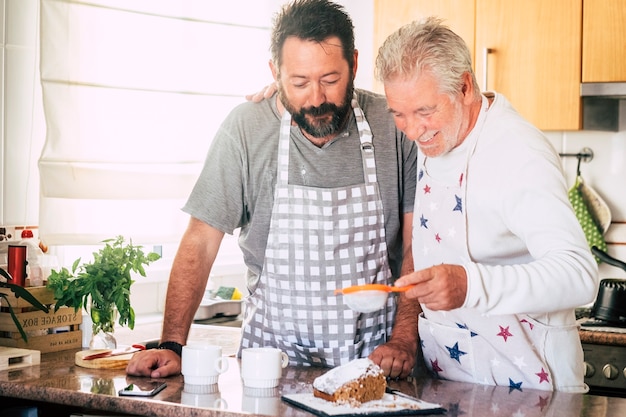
point(266, 92)
point(154, 363)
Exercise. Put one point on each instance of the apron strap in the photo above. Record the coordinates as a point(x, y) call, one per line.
point(367, 143)
point(283, 150)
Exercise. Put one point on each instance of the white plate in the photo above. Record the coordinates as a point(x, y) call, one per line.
point(389, 405)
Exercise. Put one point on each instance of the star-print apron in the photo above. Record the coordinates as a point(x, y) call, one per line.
point(462, 344)
point(321, 239)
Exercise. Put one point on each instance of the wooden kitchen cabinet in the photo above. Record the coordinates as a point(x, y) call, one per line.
point(390, 15)
point(604, 41)
point(534, 49)
point(534, 58)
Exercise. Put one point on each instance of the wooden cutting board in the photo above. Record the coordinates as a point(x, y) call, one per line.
point(114, 362)
point(13, 358)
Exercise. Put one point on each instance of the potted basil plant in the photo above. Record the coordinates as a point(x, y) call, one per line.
point(102, 287)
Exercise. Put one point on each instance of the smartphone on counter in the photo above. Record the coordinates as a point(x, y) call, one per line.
point(146, 389)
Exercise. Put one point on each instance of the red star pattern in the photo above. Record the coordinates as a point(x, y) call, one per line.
point(504, 332)
point(435, 365)
point(426, 189)
point(527, 322)
point(437, 238)
point(543, 376)
point(542, 403)
point(461, 180)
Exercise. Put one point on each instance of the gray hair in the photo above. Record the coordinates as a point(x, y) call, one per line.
point(426, 46)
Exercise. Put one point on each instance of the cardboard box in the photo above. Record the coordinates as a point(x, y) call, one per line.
point(47, 332)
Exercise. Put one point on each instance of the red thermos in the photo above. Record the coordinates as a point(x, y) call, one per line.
point(16, 264)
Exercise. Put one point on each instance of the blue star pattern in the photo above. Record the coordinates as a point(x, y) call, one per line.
point(514, 386)
point(423, 221)
point(420, 175)
point(455, 353)
point(464, 326)
point(459, 204)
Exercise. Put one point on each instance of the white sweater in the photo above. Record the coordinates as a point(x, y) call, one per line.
point(528, 254)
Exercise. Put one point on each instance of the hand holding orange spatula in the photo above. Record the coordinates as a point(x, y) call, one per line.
point(369, 297)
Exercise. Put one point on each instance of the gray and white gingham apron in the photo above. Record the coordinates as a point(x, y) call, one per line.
point(321, 239)
point(463, 344)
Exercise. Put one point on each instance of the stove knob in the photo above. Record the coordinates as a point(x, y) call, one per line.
point(610, 371)
point(590, 370)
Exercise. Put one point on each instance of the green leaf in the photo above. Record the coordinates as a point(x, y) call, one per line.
point(26, 295)
point(75, 265)
point(19, 291)
point(14, 317)
point(5, 274)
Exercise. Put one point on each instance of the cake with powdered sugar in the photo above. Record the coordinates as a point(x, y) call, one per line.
point(358, 381)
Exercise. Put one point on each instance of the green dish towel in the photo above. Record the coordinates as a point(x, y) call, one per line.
point(590, 227)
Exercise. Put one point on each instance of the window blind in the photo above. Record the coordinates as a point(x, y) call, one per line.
point(133, 93)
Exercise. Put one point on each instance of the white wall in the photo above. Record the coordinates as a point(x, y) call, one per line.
point(606, 173)
point(21, 115)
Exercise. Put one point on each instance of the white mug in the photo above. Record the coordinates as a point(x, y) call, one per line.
point(202, 364)
point(203, 396)
point(261, 400)
point(262, 367)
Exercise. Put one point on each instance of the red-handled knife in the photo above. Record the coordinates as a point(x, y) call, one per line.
point(116, 352)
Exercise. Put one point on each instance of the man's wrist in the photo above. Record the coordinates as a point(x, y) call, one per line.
point(175, 347)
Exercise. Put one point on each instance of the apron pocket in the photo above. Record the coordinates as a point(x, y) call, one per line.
point(488, 358)
point(448, 351)
point(563, 354)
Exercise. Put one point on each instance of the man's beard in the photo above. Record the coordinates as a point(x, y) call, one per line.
point(320, 128)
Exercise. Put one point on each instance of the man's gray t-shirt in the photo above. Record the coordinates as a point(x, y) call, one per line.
point(236, 186)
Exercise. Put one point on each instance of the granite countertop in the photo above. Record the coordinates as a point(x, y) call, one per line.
point(58, 380)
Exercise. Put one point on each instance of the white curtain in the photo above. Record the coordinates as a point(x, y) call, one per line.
point(133, 93)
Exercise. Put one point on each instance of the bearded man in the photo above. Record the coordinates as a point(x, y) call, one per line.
point(321, 185)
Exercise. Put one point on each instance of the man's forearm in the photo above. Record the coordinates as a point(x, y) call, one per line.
point(182, 301)
point(405, 325)
point(188, 279)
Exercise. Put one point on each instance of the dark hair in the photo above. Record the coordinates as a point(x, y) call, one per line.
point(314, 20)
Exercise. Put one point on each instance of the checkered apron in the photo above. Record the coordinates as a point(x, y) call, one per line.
point(321, 239)
point(462, 344)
